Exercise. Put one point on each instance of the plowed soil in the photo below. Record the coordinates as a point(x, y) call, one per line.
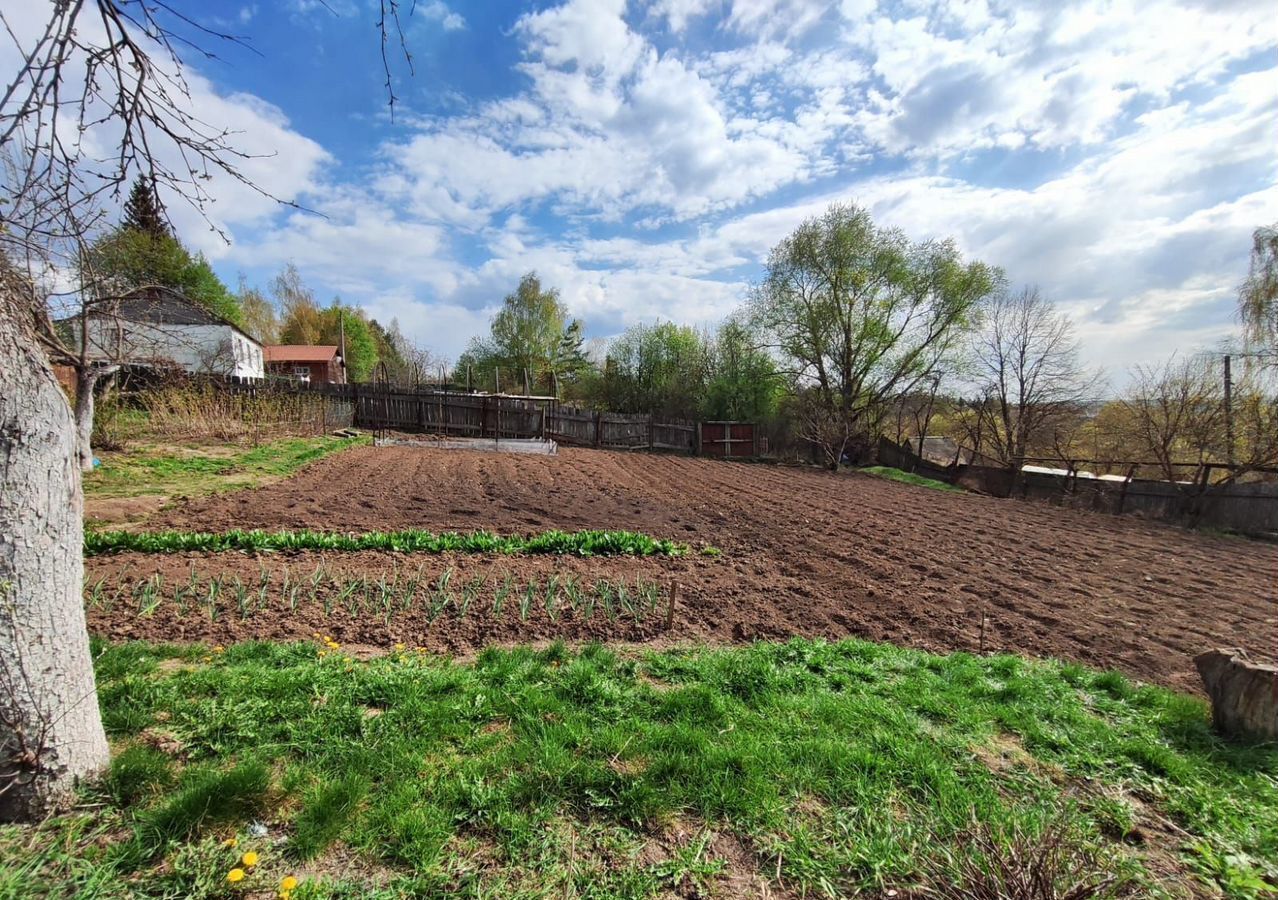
point(805, 552)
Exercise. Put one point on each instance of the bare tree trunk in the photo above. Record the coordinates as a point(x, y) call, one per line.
point(51, 733)
point(86, 382)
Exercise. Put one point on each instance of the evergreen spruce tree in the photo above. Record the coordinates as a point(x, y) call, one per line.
point(143, 210)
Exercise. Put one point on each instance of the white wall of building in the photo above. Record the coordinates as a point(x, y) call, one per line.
point(209, 349)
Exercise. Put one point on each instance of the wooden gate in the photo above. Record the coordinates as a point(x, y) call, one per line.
point(728, 440)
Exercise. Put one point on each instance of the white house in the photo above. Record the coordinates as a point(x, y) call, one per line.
point(158, 326)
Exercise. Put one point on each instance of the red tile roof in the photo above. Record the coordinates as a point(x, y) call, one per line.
point(308, 353)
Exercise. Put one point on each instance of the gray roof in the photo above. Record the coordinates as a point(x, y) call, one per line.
point(158, 305)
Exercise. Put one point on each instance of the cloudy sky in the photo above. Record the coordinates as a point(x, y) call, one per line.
point(644, 156)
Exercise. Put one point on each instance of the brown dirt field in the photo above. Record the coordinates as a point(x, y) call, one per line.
point(805, 552)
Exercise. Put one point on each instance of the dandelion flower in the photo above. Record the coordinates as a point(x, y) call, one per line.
point(399, 648)
point(230, 842)
point(249, 859)
point(219, 649)
point(288, 883)
point(235, 876)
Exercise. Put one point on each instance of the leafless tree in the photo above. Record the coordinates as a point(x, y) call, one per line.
point(1176, 413)
point(1032, 385)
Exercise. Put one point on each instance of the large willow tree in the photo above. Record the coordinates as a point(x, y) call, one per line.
point(1258, 298)
point(859, 313)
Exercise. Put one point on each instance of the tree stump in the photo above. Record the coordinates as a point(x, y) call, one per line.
point(1244, 694)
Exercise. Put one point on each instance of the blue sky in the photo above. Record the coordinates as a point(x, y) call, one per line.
point(644, 156)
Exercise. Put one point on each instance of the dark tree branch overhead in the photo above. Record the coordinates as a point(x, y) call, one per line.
point(389, 15)
point(109, 70)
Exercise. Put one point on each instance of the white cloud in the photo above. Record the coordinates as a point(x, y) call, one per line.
point(1109, 152)
point(956, 78)
point(678, 13)
point(439, 11)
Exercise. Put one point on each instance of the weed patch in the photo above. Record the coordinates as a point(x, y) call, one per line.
point(196, 471)
point(892, 474)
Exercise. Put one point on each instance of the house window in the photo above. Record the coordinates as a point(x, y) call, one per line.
point(302, 371)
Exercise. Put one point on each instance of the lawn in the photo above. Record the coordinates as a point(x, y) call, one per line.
point(154, 472)
point(824, 769)
point(909, 478)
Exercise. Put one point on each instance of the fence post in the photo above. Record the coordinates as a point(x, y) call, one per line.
point(598, 429)
point(1122, 496)
point(700, 447)
point(651, 445)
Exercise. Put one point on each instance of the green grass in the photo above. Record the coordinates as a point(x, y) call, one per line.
point(413, 540)
point(847, 769)
point(892, 474)
point(203, 470)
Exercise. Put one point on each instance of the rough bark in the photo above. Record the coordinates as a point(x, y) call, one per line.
point(86, 384)
point(51, 733)
point(1244, 694)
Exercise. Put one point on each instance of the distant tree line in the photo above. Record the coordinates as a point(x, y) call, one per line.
point(667, 370)
point(856, 332)
point(853, 332)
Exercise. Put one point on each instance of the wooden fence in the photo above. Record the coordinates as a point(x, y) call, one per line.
point(1250, 508)
point(467, 415)
point(569, 425)
point(459, 413)
point(729, 440)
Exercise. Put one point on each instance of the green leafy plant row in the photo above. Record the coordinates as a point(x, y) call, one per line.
point(578, 543)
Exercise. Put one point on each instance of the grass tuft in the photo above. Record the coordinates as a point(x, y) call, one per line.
point(136, 773)
point(892, 474)
point(206, 796)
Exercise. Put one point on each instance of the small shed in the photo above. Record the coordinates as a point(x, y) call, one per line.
point(311, 363)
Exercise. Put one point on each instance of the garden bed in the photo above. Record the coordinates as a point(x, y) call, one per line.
point(810, 553)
